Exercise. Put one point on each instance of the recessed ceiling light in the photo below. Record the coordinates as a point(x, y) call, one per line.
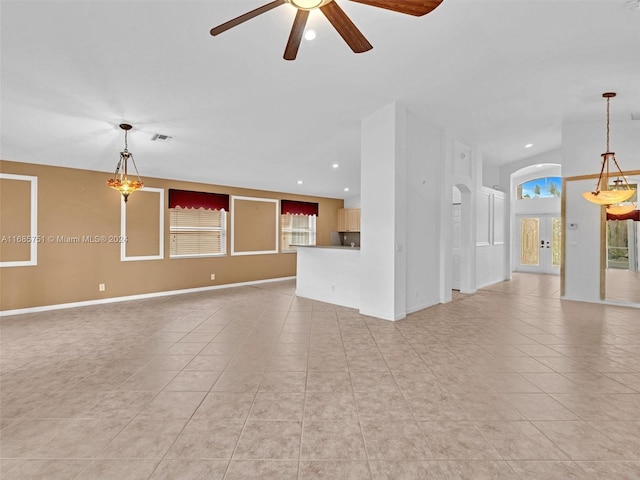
point(346, 189)
point(310, 34)
point(299, 182)
point(335, 165)
point(528, 145)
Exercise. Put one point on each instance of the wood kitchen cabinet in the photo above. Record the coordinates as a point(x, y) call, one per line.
point(349, 220)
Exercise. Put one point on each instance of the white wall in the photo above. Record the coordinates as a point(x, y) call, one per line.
point(491, 178)
point(352, 202)
point(582, 254)
point(425, 158)
point(401, 182)
point(582, 144)
point(491, 236)
point(462, 167)
point(329, 275)
point(383, 141)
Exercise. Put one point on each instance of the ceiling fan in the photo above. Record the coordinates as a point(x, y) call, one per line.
point(340, 21)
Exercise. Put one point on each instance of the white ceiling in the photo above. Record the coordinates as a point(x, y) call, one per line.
point(497, 73)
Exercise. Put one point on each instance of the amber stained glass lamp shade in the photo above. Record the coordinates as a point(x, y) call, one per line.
point(121, 180)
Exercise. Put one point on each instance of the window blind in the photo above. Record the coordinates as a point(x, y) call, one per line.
point(197, 232)
point(297, 230)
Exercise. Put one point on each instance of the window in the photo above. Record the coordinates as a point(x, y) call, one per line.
point(297, 230)
point(198, 232)
point(545, 187)
point(297, 224)
point(198, 224)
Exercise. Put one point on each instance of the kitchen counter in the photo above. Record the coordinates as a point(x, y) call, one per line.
point(329, 274)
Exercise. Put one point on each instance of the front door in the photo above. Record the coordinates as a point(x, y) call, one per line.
point(539, 243)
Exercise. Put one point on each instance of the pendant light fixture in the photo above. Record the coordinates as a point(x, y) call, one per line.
point(621, 191)
point(121, 181)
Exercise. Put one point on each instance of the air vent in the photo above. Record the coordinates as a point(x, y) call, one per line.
point(635, 116)
point(158, 137)
point(633, 4)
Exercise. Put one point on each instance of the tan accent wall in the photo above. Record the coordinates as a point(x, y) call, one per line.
point(143, 225)
point(74, 204)
point(15, 223)
point(254, 225)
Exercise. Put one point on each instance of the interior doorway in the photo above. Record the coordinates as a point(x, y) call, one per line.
point(462, 256)
point(536, 221)
point(622, 267)
point(622, 245)
point(456, 245)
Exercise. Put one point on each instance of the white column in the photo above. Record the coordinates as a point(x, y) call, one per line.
point(401, 182)
point(382, 254)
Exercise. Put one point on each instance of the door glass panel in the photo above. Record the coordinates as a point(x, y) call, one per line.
point(622, 275)
point(556, 241)
point(529, 241)
point(617, 244)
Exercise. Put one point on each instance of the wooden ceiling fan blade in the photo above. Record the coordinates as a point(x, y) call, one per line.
point(410, 7)
point(345, 27)
point(295, 37)
point(247, 16)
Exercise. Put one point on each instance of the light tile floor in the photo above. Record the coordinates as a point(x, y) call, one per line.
point(252, 382)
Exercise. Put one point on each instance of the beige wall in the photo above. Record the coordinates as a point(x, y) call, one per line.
point(77, 203)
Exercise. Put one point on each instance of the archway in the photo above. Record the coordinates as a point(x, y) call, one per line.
point(535, 219)
point(462, 260)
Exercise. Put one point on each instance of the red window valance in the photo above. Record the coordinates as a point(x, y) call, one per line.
point(298, 208)
point(634, 215)
point(188, 199)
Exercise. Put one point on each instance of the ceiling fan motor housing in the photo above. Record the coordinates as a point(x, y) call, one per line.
point(308, 4)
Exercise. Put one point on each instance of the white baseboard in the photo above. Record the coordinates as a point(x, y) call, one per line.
point(333, 301)
point(395, 318)
point(60, 306)
point(417, 308)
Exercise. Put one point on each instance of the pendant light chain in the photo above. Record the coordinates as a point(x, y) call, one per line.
point(608, 122)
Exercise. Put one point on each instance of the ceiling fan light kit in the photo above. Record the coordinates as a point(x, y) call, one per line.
point(308, 4)
point(336, 16)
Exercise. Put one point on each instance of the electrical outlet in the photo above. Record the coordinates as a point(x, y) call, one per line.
point(101, 287)
point(213, 276)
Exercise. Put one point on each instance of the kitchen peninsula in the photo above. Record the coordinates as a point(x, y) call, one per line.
point(329, 274)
